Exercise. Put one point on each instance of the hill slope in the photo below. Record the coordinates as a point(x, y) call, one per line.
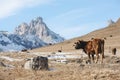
point(111, 33)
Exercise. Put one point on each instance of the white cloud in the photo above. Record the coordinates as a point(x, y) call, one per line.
point(10, 7)
point(73, 15)
point(70, 14)
point(69, 22)
point(79, 30)
point(69, 18)
point(69, 32)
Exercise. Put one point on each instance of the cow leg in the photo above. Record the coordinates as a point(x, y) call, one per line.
point(93, 58)
point(102, 56)
point(97, 57)
point(89, 58)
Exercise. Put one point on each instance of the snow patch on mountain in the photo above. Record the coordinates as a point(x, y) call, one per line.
point(7, 45)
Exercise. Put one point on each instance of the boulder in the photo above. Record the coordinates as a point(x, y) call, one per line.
point(27, 65)
point(37, 63)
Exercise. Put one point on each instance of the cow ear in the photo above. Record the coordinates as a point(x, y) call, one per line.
point(80, 41)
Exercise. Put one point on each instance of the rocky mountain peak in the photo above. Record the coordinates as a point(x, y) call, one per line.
point(39, 19)
point(38, 28)
point(22, 28)
point(118, 22)
point(36, 21)
point(110, 22)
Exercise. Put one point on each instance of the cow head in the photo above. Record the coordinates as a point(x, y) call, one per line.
point(78, 44)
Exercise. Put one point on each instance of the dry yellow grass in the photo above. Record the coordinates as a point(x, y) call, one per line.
point(109, 70)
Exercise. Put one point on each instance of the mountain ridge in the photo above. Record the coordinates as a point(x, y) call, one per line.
point(28, 36)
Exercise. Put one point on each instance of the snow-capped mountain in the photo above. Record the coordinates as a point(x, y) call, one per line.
point(7, 45)
point(27, 36)
point(38, 28)
point(27, 41)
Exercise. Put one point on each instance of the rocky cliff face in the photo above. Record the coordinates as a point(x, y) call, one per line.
point(111, 22)
point(38, 28)
point(26, 36)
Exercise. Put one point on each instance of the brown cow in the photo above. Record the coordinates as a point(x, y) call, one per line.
point(96, 46)
point(24, 50)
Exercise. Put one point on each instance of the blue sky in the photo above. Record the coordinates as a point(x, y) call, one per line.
point(69, 18)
